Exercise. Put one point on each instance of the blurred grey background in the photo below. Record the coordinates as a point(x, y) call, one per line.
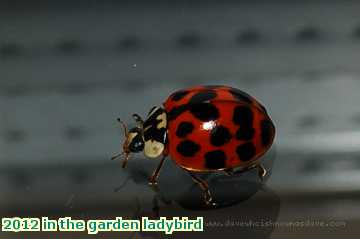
point(68, 69)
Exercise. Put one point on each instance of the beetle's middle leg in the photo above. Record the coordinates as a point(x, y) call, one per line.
point(262, 172)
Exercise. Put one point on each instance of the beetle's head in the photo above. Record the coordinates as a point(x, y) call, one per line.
point(134, 140)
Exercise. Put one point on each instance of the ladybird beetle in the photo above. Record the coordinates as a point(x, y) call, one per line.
point(203, 129)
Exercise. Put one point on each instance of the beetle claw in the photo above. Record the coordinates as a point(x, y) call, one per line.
point(153, 184)
point(208, 199)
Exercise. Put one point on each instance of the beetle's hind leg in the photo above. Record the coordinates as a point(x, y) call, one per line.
point(207, 197)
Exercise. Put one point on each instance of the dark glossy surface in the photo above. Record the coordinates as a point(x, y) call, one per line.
point(69, 69)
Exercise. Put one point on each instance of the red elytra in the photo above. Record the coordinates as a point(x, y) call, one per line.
point(245, 139)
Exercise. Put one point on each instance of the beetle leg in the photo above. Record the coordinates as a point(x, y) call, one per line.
point(205, 189)
point(229, 172)
point(138, 119)
point(154, 177)
point(262, 172)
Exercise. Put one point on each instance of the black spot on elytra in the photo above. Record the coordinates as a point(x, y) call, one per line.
point(179, 95)
point(176, 111)
point(245, 133)
point(202, 96)
point(243, 116)
point(204, 111)
point(215, 159)
point(267, 131)
point(201, 111)
point(219, 136)
point(187, 148)
point(246, 151)
point(184, 128)
point(241, 95)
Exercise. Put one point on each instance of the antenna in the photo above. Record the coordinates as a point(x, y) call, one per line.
point(126, 135)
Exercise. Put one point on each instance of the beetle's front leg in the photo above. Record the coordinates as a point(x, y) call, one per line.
point(154, 177)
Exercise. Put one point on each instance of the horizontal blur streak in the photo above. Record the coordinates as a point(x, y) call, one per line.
point(338, 142)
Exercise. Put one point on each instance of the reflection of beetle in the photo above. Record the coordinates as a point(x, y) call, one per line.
point(263, 208)
point(204, 129)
